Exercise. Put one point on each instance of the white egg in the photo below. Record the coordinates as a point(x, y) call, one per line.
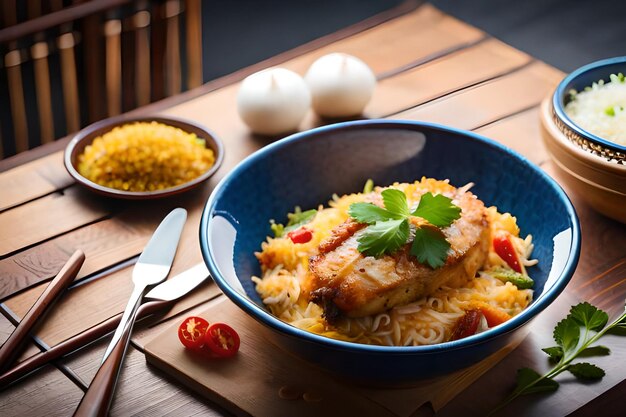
point(341, 85)
point(273, 101)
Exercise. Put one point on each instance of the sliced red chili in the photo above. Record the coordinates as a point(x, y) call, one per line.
point(505, 250)
point(466, 325)
point(222, 339)
point(192, 332)
point(301, 235)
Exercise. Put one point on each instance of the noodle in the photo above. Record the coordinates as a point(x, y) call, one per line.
point(428, 320)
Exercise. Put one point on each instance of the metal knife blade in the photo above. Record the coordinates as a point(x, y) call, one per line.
point(152, 266)
point(181, 284)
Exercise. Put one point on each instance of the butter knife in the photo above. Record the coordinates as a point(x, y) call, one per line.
point(152, 267)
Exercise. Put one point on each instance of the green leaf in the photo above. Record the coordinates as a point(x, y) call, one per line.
point(395, 203)
point(430, 247)
point(610, 111)
point(521, 281)
point(566, 334)
point(369, 186)
point(384, 237)
point(595, 351)
point(438, 210)
point(555, 353)
point(586, 371)
point(529, 381)
point(589, 316)
point(369, 213)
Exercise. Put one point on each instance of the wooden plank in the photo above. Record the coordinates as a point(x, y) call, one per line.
point(277, 369)
point(490, 101)
point(256, 392)
point(399, 42)
point(49, 394)
point(104, 243)
point(48, 217)
point(519, 132)
point(468, 66)
point(33, 180)
point(6, 328)
point(140, 390)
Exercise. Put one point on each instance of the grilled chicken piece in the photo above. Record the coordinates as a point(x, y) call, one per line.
point(345, 282)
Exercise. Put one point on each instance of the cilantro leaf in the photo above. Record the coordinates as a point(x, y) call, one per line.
point(430, 247)
point(438, 210)
point(395, 203)
point(566, 334)
point(369, 213)
point(586, 370)
point(589, 316)
point(555, 353)
point(529, 381)
point(575, 336)
point(384, 237)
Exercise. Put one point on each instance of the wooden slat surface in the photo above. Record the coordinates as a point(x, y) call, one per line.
point(430, 66)
point(488, 102)
point(48, 217)
point(33, 180)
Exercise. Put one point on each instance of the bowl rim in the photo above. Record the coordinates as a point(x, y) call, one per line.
point(560, 93)
point(268, 319)
point(110, 123)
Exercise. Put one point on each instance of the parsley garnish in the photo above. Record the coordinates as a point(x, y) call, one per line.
point(389, 229)
point(575, 336)
point(296, 219)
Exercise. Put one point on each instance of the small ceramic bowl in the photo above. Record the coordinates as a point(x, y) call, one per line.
point(593, 166)
point(87, 135)
point(307, 168)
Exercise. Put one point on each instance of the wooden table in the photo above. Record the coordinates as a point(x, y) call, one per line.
point(430, 67)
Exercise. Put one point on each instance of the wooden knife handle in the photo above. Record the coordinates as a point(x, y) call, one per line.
point(98, 398)
point(12, 347)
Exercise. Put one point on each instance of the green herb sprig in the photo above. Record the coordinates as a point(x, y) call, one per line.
point(575, 337)
point(389, 229)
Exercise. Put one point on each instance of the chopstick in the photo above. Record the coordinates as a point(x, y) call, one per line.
point(13, 346)
point(74, 343)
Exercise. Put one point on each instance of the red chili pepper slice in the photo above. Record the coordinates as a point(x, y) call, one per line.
point(467, 325)
point(505, 250)
point(222, 339)
point(301, 235)
point(192, 332)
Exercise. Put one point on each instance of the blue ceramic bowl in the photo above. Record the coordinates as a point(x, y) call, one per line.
point(578, 80)
point(305, 169)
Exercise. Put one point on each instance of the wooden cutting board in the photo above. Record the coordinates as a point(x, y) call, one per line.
point(264, 380)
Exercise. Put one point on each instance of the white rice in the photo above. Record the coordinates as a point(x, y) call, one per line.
point(601, 109)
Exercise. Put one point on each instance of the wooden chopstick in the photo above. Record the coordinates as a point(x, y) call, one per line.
point(74, 343)
point(13, 345)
